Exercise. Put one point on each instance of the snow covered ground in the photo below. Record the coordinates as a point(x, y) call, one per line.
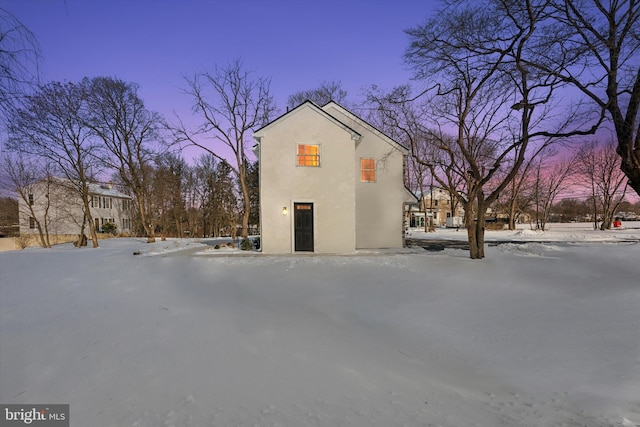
point(544, 333)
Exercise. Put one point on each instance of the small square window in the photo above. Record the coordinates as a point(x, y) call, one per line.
point(308, 155)
point(368, 170)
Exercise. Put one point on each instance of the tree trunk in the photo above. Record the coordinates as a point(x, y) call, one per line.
point(87, 217)
point(149, 228)
point(475, 229)
point(247, 203)
point(632, 171)
point(512, 214)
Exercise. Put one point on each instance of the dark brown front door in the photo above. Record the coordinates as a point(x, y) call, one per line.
point(303, 226)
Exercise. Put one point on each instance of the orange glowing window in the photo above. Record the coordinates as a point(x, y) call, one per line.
point(367, 170)
point(308, 155)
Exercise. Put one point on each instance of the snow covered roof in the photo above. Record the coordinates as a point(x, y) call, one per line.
point(107, 190)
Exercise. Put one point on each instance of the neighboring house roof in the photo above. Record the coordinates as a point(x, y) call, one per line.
point(107, 190)
point(354, 134)
point(103, 189)
point(367, 125)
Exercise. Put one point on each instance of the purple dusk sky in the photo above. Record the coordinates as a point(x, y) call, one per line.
point(156, 43)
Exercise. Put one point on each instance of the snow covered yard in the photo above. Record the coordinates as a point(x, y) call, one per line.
point(537, 334)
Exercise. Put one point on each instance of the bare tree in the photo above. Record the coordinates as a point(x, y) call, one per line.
point(29, 180)
point(327, 91)
point(130, 134)
point(594, 46)
point(231, 103)
point(253, 182)
point(524, 189)
point(225, 201)
point(599, 168)
point(498, 107)
point(401, 121)
point(168, 195)
point(475, 53)
point(571, 209)
point(205, 176)
point(192, 192)
point(51, 127)
point(551, 178)
point(9, 217)
point(19, 59)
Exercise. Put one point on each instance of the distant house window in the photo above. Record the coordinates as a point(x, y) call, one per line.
point(126, 205)
point(308, 155)
point(368, 170)
point(30, 199)
point(32, 222)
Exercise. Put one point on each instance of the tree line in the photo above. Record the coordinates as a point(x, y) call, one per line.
point(100, 127)
point(498, 88)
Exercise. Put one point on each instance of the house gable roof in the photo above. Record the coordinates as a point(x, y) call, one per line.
point(257, 134)
point(366, 125)
point(95, 189)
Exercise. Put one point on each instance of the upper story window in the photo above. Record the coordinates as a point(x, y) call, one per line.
point(31, 199)
point(367, 170)
point(308, 155)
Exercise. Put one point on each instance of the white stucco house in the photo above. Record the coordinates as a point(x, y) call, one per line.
point(329, 183)
point(54, 201)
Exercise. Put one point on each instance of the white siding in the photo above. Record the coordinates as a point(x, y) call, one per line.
point(379, 204)
point(330, 187)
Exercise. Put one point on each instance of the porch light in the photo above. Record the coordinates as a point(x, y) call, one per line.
point(284, 210)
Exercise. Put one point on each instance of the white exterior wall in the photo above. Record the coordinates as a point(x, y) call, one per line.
point(65, 209)
point(379, 204)
point(116, 211)
point(330, 187)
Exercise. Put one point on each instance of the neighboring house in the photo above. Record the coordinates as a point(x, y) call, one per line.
point(329, 183)
point(437, 205)
point(63, 210)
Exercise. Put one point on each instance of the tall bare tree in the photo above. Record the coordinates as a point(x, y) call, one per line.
point(550, 179)
point(19, 60)
point(130, 135)
point(52, 128)
point(230, 102)
point(475, 52)
point(28, 180)
point(599, 169)
point(594, 47)
point(327, 91)
point(498, 107)
point(168, 195)
point(9, 217)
